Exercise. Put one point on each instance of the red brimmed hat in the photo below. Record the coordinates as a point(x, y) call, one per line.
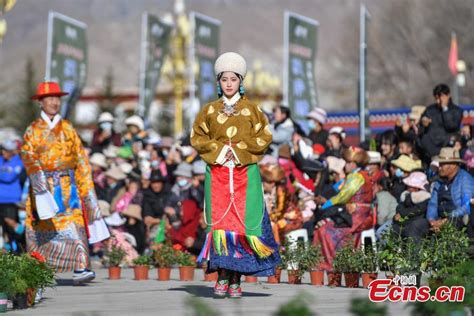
point(48, 89)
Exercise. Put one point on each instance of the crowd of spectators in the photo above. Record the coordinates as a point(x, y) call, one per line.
point(411, 179)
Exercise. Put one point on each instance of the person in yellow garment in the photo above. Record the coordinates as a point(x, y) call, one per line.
point(231, 134)
point(61, 188)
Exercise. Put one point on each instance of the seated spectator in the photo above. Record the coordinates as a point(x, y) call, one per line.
point(155, 199)
point(410, 218)
point(136, 130)
point(386, 202)
point(134, 226)
point(199, 176)
point(282, 128)
point(407, 147)
point(316, 120)
point(386, 206)
point(105, 135)
point(452, 193)
point(283, 213)
point(115, 181)
point(335, 142)
point(373, 168)
point(98, 164)
point(292, 173)
point(336, 176)
point(388, 148)
point(130, 194)
point(194, 245)
point(185, 234)
point(356, 197)
point(400, 168)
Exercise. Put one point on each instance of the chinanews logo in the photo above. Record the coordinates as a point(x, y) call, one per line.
point(404, 289)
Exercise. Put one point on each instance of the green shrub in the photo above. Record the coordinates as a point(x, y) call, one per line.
point(143, 261)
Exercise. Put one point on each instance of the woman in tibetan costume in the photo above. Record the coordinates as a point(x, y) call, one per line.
point(231, 134)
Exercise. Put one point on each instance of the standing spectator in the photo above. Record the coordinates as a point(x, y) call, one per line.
point(452, 193)
point(316, 120)
point(438, 122)
point(105, 135)
point(11, 169)
point(409, 131)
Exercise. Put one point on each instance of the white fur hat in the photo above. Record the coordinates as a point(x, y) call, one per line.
point(231, 61)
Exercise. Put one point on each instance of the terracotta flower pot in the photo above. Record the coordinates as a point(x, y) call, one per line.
point(186, 273)
point(3, 302)
point(164, 274)
point(141, 272)
point(293, 277)
point(30, 297)
point(317, 278)
point(210, 277)
point(351, 279)
point(275, 278)
point(114, 273)
point(251, 279)
point(367, 278)
point(19, 301)
point(334, 279)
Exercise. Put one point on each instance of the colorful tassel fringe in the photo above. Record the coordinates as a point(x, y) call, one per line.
point(226, 243)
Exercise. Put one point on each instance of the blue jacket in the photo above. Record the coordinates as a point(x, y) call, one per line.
point(10, 171)
point(462, 190)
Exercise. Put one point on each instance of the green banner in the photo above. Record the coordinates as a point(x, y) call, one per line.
point(66, 58)
point(205, 52)
point(155, 45)
point(300, 54)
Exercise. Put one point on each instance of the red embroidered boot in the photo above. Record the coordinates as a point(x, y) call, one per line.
point(235, 291)
point(222, 284)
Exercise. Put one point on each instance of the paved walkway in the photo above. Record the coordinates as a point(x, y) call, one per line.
point(152, 297)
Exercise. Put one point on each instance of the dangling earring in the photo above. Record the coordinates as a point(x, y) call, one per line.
point(241, 89)
point(219, 90)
